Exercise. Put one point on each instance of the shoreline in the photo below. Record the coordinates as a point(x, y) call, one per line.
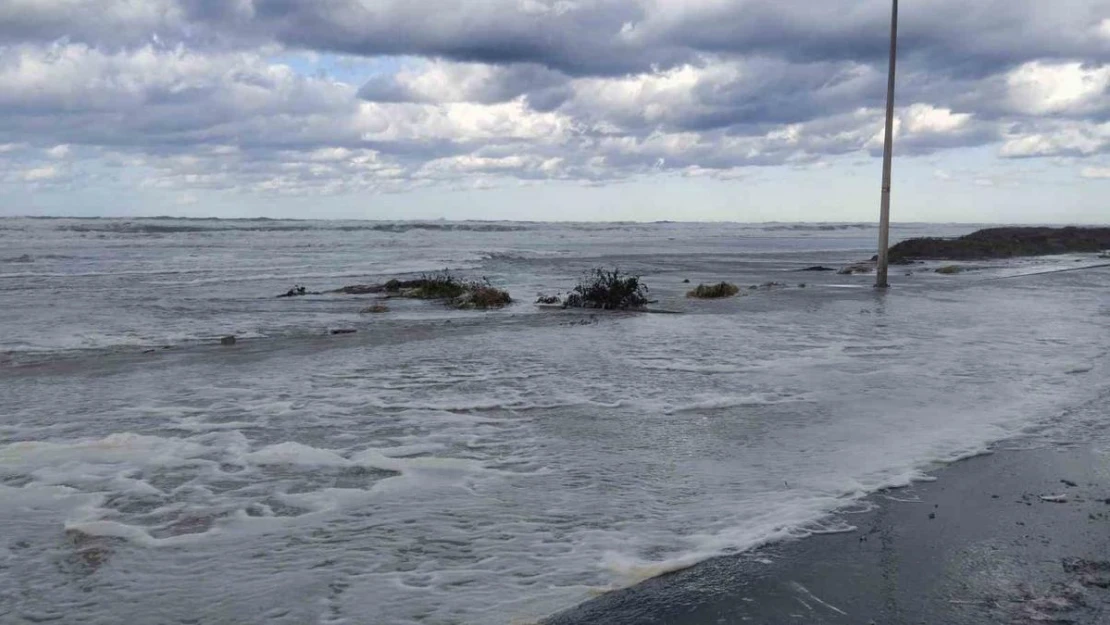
point(981, 544)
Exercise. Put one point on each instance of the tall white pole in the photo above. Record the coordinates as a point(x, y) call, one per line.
point(888, 152)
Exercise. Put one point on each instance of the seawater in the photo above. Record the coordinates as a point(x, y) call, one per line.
point(465, 467)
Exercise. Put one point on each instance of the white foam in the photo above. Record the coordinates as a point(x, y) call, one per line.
point(733, 401)
point(114, 449)
point(377, 459)
point(296, 454)
point(330, 499)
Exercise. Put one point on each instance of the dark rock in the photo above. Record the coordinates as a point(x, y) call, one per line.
point(297, 291)
point(1069, 483)
point(227, 340)
point(1004, 243)
point(393, 286)
point(817, 268)
point(344, 331)
point(686, 281)
point(360, 289)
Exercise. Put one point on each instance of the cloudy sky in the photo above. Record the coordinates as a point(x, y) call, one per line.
point(747, 110)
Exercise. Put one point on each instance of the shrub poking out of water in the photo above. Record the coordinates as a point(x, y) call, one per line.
point(481, 296)
point(720, 290)
point(478, 294)
point(549, 299)
point(608, 290)
point(434, 286)
point(949, 270)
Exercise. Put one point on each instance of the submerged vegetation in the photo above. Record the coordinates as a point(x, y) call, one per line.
point(608, 290)
point(442, 286)
point(720, 290)
point(481, 296)
point(949, 270)
point(429, 286)
point(463, 295)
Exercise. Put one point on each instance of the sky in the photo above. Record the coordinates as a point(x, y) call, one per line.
point(734, 110)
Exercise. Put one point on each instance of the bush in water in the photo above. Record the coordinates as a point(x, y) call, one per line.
point(714, 291)
point(482, 296)
point(608, 290)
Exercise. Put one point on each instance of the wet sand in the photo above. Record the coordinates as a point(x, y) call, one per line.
point(982, 544)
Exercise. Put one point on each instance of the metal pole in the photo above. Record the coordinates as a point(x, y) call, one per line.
point(888, 152)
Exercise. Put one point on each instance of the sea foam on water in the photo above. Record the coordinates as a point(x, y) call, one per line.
point(501, 466)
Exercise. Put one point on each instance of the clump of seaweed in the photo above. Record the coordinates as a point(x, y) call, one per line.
point(440, 285)
point(949, 270)
point(549, 299)
point(375, 309)
point(720, 290)
point(480, 295)
point(608, 290)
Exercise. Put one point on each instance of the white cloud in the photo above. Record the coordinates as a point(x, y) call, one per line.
point(38, 174)
point(1039, 88)
point(1104, 29)
point(925, 118)
point(1096, 173)
point(1058, 139)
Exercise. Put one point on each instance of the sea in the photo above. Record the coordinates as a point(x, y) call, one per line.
point(465, 467)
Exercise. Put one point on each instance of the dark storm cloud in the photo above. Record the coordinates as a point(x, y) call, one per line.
point(607, 37)
point(578, 38)
point(967, 38)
